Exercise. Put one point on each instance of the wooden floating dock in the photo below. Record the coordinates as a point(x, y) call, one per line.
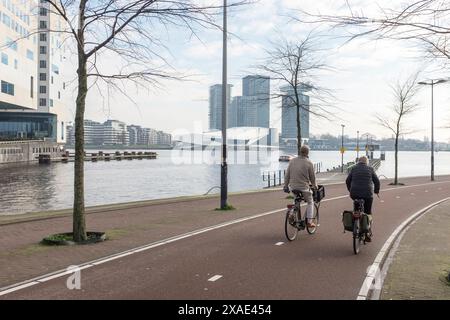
point(99, 156)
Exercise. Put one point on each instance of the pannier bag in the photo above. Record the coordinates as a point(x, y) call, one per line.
point(347, 220)
point(366, 220)
point(319, 194)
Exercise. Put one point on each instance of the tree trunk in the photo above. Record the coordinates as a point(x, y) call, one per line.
point(299, 131)
point(79, 222)
point(396, 160)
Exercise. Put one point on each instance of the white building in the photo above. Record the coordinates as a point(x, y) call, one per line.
point(115, 133)
point(32, 88)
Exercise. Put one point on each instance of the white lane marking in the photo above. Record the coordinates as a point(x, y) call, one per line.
point(397, 197)
point(372, 276)
point(279, 243)
point(426, 190)
point(61, 273)
point(215, 278)
point(381, 201)
point(17, 288)
point(412, 193)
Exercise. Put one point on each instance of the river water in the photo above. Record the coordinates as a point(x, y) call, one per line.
point(34, 187)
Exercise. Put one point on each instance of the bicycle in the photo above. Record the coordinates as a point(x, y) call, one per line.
point(294, 221)
point(358, 234)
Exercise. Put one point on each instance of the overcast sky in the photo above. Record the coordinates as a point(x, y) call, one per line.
point(364, 69)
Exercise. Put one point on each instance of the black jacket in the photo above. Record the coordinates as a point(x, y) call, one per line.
point(360, 179)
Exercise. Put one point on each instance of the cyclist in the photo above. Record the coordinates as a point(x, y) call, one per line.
point(300, 176)
point(362, 182)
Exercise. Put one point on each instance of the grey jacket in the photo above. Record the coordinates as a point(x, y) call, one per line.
point(300, 174)
point(361, 180)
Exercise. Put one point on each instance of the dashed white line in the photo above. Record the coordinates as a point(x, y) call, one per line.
point(426, 190)
point(398, 197)
point(215, 278)
point(279, 243)
point(412, 193)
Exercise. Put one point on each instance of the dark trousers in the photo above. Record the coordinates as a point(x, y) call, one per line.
point(367, 204)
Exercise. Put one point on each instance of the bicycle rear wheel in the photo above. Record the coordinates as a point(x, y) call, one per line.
point(290, 224)
point(356, 237)
point(315, 220)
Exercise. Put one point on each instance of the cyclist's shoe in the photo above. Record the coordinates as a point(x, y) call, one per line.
point(368, 238)
point(311, 225)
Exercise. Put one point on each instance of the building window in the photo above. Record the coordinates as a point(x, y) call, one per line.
point(43, 37)
point(7, 88)
point(30, 55)
point(51, 102)
point(59, 94)
point(52, 79)
point(11, 44)
point(64, 86)
point(62, 130)
point(5, 58)
point(43, 89)
point(6, 20)
point(55, 68)
point(42, 11)
point(42, 76)
point(42, 24)
point(43, 50)
point(43, 64)
point(42, 102)
point(16, 64)
point(32, 87)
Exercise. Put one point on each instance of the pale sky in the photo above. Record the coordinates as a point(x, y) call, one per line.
point(364, 70)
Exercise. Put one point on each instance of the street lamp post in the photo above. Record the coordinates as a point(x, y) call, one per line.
point(357, 144)
point(224, 166)
point(432, 83)
point(342, 149)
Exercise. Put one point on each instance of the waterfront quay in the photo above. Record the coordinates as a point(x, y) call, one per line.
point(182, 248)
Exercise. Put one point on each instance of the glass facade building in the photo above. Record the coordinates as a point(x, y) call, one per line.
point(27, 125)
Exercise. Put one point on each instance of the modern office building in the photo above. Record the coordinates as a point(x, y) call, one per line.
point(289, 117)
point(32, 87)
point(215, 105)
point(243, 112)
point(252, 109)
point(258, 88)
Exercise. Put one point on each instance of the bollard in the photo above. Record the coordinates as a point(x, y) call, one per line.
point(279, 176)
point(268, 179)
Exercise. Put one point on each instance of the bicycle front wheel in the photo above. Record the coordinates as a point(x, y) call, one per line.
point(290, 224)
point(356, 236)
point(315, 220)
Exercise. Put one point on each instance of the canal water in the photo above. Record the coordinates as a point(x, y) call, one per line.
point(34, 187)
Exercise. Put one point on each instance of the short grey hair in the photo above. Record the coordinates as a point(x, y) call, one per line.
point(304, 150)
point(363, 159)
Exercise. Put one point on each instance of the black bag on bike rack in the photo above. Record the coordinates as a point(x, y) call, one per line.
point(347, 220)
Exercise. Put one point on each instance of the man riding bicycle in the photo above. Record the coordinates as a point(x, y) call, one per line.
point(362, 182)
point(299, 176)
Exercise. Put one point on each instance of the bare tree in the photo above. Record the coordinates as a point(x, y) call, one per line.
point(126, 32)
point(404, 94)
point(295, 65)
point(426, 21)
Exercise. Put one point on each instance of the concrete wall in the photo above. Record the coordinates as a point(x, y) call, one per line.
point(27, 151)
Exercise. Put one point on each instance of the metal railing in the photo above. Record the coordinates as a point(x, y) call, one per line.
point(276, 178)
